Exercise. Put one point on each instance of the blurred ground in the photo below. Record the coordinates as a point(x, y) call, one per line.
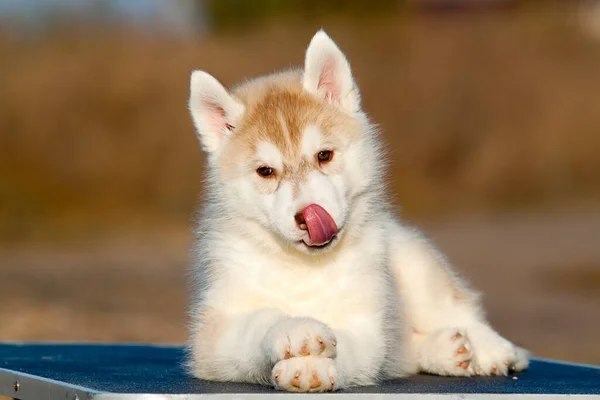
point(490, 118)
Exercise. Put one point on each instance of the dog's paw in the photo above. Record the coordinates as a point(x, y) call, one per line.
point(494, 355)
point(305, 374)
point(299, 337)
point(446, 352)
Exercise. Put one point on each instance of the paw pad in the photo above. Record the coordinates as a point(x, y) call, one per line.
point(316, 382)
point(304, 351)
point(295, 382)
point(322, 344)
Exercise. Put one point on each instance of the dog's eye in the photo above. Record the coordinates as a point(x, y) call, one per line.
point(325, 155)
point(265, 172)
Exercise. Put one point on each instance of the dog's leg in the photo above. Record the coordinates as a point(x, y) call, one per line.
point(450, 333)
point(362, 352)
point(227, 347)
point(266, 347)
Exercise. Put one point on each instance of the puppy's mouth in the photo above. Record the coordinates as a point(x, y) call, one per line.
point(320, 225)
point(316, 247)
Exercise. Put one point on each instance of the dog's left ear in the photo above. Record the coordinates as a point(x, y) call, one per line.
point(327, 74)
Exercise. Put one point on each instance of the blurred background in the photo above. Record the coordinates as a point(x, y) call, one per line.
point(490, 111)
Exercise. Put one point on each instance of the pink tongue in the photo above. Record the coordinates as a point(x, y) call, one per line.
point(321, 227)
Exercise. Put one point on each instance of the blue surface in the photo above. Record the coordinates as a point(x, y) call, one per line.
point(150, 369)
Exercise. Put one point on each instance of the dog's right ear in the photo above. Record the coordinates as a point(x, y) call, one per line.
point(214, 111)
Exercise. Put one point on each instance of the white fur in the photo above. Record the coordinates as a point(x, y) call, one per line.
point(212, 108)
point(312, 141)
point(269, 155)
point(327, 73)
point(379, 302)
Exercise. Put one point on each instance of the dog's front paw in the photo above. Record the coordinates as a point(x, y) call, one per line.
point(494, 355)
point(306, 374)
point(446, 352)
point(299, 337)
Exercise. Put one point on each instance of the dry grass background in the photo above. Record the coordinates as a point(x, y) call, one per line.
point(483, 113)
point(480, 111)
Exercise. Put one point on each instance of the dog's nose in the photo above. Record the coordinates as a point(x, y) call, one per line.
point(300, 221)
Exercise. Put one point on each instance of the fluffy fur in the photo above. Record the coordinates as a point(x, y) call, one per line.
point(379, 301)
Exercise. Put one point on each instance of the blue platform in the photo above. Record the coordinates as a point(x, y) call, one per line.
point(83, 371)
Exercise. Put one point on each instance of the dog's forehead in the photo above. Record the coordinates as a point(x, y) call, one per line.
point(294, 121)
point(283, 117)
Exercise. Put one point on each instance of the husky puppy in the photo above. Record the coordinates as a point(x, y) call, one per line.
point(303, 279)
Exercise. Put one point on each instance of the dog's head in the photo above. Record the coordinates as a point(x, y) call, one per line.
point(291, 151)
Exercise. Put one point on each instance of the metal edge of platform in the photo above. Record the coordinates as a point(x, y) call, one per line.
point(21, 385)
point(32, 387)
point(346, 396)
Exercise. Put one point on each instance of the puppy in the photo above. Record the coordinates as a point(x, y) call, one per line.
point(303, 278)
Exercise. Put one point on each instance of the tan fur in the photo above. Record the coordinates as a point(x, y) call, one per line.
point(279, 111)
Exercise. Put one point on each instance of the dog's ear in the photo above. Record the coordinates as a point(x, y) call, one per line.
point(214, 111)
point(327, 73)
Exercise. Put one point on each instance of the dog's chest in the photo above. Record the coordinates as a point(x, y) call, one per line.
point(329, 292)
